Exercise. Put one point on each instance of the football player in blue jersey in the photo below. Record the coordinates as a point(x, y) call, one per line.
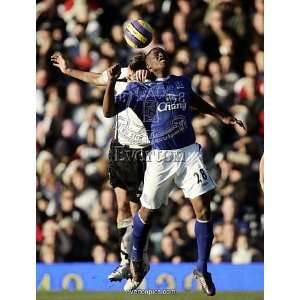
point(164, 106)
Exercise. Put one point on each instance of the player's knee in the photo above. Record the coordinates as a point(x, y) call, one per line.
point(134, 207)
point(146, 214)
point(203, 214)
point(201, 206)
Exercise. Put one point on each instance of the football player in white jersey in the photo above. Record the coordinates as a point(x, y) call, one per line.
point(127, 155)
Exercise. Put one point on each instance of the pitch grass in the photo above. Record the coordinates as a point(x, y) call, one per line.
point(124, 296)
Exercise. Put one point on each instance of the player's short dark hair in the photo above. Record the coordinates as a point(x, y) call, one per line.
point(151, 50)
point(137, 62)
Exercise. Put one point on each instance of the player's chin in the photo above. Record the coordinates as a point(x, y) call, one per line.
point(162, 63)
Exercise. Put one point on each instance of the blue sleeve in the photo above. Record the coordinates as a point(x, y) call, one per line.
point(126, 98)
point(188, 84)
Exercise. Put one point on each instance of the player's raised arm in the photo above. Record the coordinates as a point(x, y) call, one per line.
point(88, 77)
point(109, 106)
point(205, 108)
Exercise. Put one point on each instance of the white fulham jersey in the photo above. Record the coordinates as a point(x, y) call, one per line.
point(129, 129)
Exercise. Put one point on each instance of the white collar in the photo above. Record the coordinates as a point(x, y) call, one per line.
point(162, 78)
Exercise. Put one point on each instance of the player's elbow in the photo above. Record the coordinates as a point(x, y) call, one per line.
point(99, 81)
point(108, 114)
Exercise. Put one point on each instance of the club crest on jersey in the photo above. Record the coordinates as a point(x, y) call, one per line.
point(179, 85)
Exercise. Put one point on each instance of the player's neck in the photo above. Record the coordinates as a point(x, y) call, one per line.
point(161, 74)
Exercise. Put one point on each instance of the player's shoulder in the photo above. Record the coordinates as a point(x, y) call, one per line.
point(133, 84)
point(139, 84)
point(181, 80)
point(136, 87)
point(172, 76)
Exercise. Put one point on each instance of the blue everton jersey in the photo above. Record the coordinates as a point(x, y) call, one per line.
point(164, 108)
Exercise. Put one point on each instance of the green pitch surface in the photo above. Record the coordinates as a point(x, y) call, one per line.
point(124, 296)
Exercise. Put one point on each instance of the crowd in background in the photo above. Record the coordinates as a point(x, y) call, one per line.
point(219, 45)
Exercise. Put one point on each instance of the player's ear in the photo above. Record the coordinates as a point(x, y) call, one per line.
point(148, 67)
point(147, 64)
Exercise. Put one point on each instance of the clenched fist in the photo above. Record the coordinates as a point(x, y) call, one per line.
point(114, 72)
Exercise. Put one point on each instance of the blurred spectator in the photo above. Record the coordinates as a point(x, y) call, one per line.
point(86, 197)
point(42, 208)
point(47, 254)
point(99, 254)
point(73, 108)
point(69, 208)
point(106, 235)
point(218, 253)
point(168, 250)
point(186, 212)
point(229, 236)
point(48, 183)
point(244, 254)
point(83, 60)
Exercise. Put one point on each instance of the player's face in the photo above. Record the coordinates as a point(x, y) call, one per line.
point(157, 60)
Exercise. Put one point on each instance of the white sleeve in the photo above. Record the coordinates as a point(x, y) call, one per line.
point(124, 73)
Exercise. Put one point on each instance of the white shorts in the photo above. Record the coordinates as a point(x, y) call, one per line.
point(182, 168)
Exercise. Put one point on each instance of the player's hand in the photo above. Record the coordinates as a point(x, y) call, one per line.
point(234, 121)
point(141, 75)
point(114, 72)
point(58, 61)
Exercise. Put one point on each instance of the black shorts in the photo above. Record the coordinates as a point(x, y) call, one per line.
point(126, 169)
